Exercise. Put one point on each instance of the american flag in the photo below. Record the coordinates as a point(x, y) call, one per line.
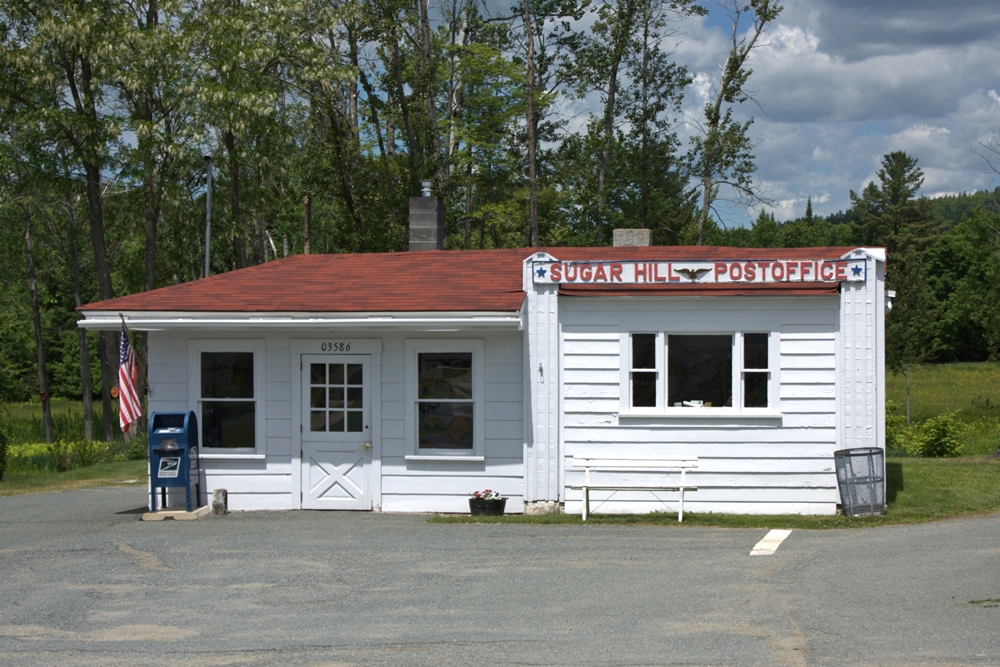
point(129, 406)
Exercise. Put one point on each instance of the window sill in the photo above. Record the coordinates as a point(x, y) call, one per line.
point(443, 457)
point(703, 413)
point(232, 457)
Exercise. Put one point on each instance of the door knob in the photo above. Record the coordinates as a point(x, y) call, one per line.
point(368, 445)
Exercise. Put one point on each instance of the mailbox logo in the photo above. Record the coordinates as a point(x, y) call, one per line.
point(169, 467)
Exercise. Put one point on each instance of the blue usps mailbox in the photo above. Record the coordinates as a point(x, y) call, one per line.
point(173, 456)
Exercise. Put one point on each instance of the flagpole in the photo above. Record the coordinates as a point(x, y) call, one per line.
point(138, 357)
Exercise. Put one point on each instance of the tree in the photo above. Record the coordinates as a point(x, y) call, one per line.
point(907, 330)
point(624, 45)
point(64, 43)
point(723, 154)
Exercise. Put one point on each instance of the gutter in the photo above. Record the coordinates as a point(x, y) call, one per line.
point(161, 321)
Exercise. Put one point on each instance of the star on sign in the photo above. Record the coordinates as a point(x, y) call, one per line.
point(541, 272)
point(856, 270)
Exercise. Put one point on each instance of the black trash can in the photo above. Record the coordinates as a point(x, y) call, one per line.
point(861, 477)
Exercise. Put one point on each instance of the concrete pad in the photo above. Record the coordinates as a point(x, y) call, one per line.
point(177, 515)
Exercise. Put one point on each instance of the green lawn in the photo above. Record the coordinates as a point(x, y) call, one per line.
point(102, 474)
point(917, 490)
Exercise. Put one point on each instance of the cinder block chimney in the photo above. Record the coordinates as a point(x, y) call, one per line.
point(632, 237)
point(426, 220)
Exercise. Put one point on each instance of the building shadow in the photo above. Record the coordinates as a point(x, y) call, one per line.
point(893, 481)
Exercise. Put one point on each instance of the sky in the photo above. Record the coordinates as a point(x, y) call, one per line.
point(843, 82)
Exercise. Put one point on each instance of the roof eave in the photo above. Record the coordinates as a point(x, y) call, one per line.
point(104, 320)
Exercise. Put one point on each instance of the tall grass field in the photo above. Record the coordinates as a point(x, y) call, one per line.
point(970, 392)
point(28, 453)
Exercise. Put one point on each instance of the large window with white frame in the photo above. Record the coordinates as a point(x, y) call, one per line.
point(676, 372)
point(444, 390)
point(226, 392)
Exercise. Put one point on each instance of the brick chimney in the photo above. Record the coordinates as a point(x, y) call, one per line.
point(426, 220)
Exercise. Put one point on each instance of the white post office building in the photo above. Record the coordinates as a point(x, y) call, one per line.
point(405, 381)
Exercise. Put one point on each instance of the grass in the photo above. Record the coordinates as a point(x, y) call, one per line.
point(24, 425)
point(102, 474)
point(971, 390)
point(917, 491)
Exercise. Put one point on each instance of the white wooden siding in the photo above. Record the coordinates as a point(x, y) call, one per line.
point(445, 486)
point(776, 465)
point(424, 486)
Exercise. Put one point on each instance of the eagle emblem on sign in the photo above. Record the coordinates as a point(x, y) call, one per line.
point(692, 274)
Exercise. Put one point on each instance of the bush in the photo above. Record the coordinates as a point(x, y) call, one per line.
point(939, 437)
point(895, 427)
point(60, 455)
point(900, 439)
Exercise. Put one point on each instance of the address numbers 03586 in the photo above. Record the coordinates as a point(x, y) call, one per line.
point(335, 347)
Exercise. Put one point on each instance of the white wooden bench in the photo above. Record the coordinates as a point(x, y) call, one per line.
point(627, 463)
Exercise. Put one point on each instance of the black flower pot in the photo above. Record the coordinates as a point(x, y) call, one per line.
point(484, 507)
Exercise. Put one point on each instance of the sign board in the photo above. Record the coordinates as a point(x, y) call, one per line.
point(703, 273)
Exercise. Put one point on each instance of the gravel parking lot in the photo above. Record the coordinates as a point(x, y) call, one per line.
point(84, 582)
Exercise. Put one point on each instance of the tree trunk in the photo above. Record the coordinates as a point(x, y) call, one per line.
point(621, 34)
point(413, 148)
point(108, 349)
point(909, 365)
point(307, 224)
point(468, 200)
point(43, 383)
point(428, 72)
point(532, 127)
point(86, 382)
point(234, 200)
point(644, 148)
point(345, 177)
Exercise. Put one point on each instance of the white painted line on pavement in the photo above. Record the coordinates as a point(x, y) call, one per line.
point(770, 543)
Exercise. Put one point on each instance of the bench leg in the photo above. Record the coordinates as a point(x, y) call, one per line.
point(680, 513)
point(586, 502)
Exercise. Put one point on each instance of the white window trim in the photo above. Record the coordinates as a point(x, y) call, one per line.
point(661, 383)
point(412, 348)
point(663, 410)
point(257, 347)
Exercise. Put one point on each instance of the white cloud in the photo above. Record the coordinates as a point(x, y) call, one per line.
point(842, 82)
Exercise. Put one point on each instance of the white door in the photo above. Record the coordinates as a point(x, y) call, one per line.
point(336, 432)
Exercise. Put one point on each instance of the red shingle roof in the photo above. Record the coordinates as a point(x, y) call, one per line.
point(428, 281)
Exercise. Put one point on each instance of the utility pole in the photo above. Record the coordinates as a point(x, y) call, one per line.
point(208, 211)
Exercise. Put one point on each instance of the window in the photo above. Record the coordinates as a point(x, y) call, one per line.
point(444, 400)
point(226, 387)
point(711, 370)
point(444, 389)
point(755, 370)
point(642, 375)
point(336, 398)
point(700, 371)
